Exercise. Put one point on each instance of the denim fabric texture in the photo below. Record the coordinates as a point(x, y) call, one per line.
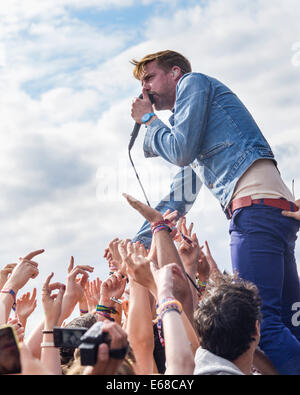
point(213, 139)
point(262, 251)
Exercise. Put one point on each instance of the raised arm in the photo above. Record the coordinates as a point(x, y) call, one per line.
point(139, 269)
point(179, 356)
point(20, 275)
point(5, 272)
point(76, 281)
point(139, 321)
point(50, 356)
point(112, 287)
point(183, 192)
point(26, 304)
point(189, 251)
point(165, 250)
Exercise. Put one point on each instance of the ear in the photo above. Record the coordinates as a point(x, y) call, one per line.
point(257, 329)
point(176, 71)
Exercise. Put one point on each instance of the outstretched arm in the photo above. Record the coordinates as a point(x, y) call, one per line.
point(50, 356)
point(166, 251)
point(140, 331)
point(179, 356)
point(183, 192)
point(21, 274)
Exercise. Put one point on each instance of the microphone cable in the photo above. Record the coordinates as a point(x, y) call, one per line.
point(134, 134)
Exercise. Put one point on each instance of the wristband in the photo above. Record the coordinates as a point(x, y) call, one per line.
point(169, 305)
point(161, 225)
point(119, 353)
point(105, 315)
point(105, 309)
point(113, 299)
point(47, 344)
point(201, 285)
point(162, 222)
point(46, 332)
point(13, 294)
point(146, 117)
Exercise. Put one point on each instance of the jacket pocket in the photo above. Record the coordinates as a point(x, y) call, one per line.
point(214, 150)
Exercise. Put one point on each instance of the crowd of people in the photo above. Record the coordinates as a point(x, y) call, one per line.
point(167, 310)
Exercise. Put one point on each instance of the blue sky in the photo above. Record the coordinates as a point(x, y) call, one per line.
point(67, 87)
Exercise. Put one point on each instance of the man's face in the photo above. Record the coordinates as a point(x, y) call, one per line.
point(161, 84)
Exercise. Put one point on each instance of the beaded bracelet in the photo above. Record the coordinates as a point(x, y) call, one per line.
point(201, 285)
point(161, 225)
point(169, 304)
point(156, 318)
point(162, 222)
point(106, 315)
point(13, 294)
point(105, 309)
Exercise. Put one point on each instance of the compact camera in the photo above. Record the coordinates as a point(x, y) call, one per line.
point(90, 342)
point(87, 340)
point(68, 337)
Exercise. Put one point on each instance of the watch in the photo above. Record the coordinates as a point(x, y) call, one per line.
point(146, 117)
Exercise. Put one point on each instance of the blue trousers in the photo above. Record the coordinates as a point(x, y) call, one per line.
point(262, 251)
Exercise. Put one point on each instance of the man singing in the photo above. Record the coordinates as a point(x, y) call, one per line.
point(214, 140)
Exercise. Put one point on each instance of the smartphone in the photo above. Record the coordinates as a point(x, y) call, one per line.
point(9, 351)
point(68, 337)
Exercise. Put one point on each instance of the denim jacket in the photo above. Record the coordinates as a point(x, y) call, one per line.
point(213, 138)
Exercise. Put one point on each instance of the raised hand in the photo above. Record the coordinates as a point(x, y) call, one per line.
point(92, 293)
point(207, 265)
point(76, 281)
point(138, 266)
point(18, 327)
point(23, 271)
point(52, 303)
point(203, 267)
point(149, 213)
point(166, 279)
point(141, 106)
point(189, 249)
point(106, 365)
point(114, 252)
point(113, 286)
point(5, 272)
point(26, 304)
point(80, 273)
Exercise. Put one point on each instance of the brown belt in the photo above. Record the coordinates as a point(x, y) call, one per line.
point(247, 201)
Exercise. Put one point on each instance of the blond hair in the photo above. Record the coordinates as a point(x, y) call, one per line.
point(165, 60)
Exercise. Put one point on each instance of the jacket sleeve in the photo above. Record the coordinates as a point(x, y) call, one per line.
point(181, 143)
point(183, 192)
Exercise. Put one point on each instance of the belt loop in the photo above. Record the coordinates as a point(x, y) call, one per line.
point(293, 206)
point(229, 212)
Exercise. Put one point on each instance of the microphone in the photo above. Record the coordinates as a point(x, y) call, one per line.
point(137, 126)
point(133, 135)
